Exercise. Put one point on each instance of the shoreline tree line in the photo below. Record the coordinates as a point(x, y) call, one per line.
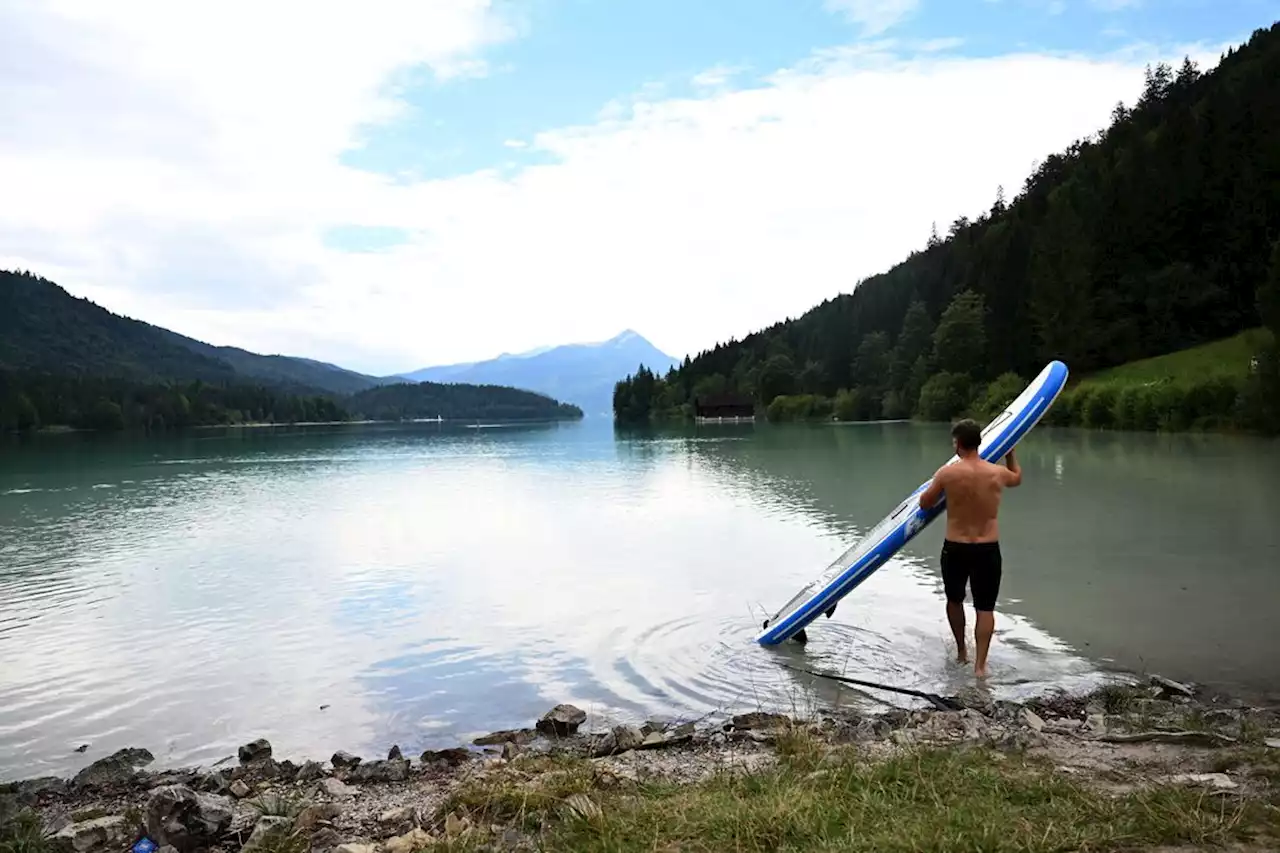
point(1156, 234)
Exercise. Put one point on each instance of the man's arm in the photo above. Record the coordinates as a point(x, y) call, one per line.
point(1014, 477)
point(933, 493)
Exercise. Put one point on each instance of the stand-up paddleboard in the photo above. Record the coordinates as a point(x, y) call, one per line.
point(900, 526)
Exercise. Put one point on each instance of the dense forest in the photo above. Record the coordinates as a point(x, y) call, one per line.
point(66, 362)
point(1153, 235)
point(458, 401)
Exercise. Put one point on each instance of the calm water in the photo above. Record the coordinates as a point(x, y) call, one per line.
point(427, 585)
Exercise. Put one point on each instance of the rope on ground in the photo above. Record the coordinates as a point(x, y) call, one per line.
point(942, 703)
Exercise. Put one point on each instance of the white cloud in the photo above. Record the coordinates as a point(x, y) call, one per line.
point(184, 169)
point(873, 16)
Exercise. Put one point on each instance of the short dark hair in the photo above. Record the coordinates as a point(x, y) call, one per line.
point(967, 434)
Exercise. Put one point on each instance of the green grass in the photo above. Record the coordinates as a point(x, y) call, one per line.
point(943, 799)
point(1228, 358)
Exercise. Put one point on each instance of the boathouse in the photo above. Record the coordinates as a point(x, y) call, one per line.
point(718, 407)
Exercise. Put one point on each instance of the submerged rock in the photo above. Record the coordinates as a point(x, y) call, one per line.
point(562, 720)
point(447, 757)
point(519, 737)
point(178, 816)
point(119, 768)
point(759, 720)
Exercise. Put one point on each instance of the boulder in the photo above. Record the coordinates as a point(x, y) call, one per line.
point(382, 771)
point(354, 847)
point(103, 833)
point(178, 816)
point(119, 768)
point(240, 790)
point(562, 720)
point(399, 820)
point(326, 838)
point(759, 720)
point(619, 739)
point(256, 751)
point(214, 783)
point(311, 818)
point(310, 771)
point(344, 760)
point(448, 757)
point(337, 789)
point(517, 736)
point(32, 791)
point(268, 832)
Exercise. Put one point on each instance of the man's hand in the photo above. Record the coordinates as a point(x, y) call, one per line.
point(1014, 478)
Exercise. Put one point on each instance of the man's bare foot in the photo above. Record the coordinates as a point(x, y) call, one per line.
point(980, 671)
point(962, 657)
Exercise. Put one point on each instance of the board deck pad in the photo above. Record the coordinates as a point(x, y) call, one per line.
point(900, 526)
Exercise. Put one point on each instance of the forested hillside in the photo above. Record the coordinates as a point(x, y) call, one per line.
point(67, 362)
point(44, 328)
point(458, 401)
point(1153, 235)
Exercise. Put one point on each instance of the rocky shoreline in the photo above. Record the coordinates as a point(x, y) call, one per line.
point(1119, 739)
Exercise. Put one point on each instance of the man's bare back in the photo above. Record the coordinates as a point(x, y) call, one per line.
point(971, 550)
point(973, 487)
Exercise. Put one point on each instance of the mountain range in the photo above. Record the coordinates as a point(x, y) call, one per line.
point(44, 330)
point(583, 374)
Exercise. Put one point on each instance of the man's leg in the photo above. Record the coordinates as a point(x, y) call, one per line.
point(954, 576)
point(986, 588)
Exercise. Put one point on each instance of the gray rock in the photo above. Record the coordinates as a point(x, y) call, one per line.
point(168, 848)
point(519, 737)
point(1214, 780)
point(619, 739)
point(31, 791)
point(103, 833)
point(510, 751)
point(382, 771)
point(310, 772)
point(562, 720)
point(178, 816)
point(1032, 719)
point(344, 760)
point(326, 838)
point(312, 818)
point(452, 757)
point(1272, 742)
point(759, 720)
point(394, 754)
point(119, 768)
point(399, 821)
point(1169, 687)
point(267, 832)
point(214, 783)
point(337, 789)
point(254, 752)
point(240, 790)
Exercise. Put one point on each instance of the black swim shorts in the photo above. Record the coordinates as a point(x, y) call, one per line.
point(979, 564)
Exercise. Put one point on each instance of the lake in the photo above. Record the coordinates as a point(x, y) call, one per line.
point(354, 587)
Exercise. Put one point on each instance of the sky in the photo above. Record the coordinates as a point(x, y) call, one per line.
point(395, 184)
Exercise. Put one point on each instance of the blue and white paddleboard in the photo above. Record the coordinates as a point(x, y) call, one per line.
point(900, 526)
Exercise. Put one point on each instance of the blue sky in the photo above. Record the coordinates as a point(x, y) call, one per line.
point(401, 183)
point(580, 55)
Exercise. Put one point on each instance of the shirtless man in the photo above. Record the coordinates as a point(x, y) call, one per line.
point(971, 549)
